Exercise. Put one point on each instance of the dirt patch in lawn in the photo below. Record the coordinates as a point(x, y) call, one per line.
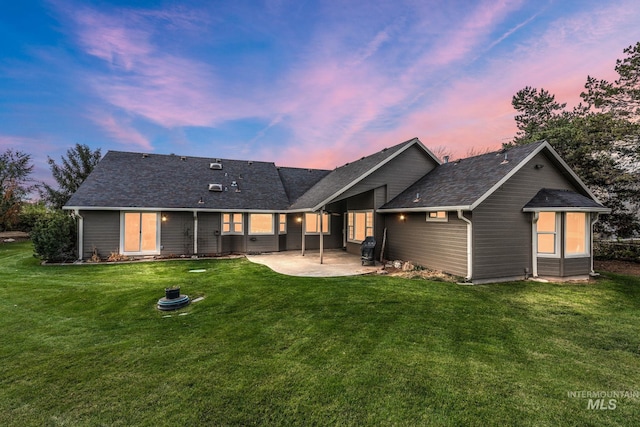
point(620, 267)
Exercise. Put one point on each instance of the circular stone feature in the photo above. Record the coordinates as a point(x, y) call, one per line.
point(166, 304)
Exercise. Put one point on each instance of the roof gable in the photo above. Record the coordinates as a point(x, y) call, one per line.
point(466, 183)
point(565, 200)
point(345, 177)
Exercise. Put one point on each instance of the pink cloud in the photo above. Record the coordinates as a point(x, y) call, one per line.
point(121, 131)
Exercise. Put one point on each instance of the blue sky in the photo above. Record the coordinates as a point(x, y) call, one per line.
point(301, 83)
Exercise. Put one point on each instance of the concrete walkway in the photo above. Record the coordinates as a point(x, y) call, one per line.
point(336, 262)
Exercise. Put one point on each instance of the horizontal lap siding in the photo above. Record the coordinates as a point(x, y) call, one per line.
point(208, 233)
point(576, 267)
point(501, 231)
point(397, 175)
point(101, 232)
point(437, 245)
point(262, 243)
point(549, 267)
point(177, 233)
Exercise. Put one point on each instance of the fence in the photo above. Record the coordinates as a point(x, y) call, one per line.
point(626, 250)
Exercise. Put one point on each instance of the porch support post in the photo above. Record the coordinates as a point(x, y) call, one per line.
point(469, 244)
point(303, 223)
point(195, 233)
point(321, 236)
point(534, 244)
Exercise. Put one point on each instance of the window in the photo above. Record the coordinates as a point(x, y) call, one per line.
point(312, 223)
point(437, 216)
point(282, 224)
point(232, 223)
point(547, 228)
point(260, 223)
point(359, 225)
point(576, 230)
point(140, 233)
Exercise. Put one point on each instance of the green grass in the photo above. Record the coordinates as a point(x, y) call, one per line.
point(84, 345)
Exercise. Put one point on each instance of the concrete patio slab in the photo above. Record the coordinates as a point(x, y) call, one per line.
point(336, 262)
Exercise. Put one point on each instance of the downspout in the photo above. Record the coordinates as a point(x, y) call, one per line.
point(80, 233)
point(534, 244)
point(195, 233)
point(469, 244)
point(593, 222)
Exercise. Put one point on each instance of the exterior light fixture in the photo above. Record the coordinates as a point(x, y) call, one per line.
point(299, 219)
point(402, 217)
point(164, 218)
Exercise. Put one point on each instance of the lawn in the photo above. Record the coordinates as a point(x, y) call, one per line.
point(83, 345)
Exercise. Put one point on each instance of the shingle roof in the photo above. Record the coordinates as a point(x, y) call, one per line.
point(562, 199)
point(297, 181)
point(461, 183)
point(340, 179)
point(167, 181)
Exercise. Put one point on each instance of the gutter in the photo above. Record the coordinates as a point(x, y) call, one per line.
point(534, 244)
point(593, 222)
point(469, 244)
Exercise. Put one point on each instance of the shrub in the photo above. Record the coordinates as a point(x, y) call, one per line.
point(54, 237)
point(628, 250)
point(29, 214)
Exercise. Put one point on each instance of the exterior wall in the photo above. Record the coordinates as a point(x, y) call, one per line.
point(101, 231)
point(208, 233)
point(397, 175)
point(437, 245)
point(294, 232)
point(176, 233)
point(501, 231)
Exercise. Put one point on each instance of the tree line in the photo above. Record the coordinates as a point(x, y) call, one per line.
point(599, 139)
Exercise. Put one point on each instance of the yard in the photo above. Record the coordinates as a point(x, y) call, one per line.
point(84, 345)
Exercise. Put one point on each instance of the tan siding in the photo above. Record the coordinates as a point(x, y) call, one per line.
point(437, 245)
point(101, 232)
point(501, 231)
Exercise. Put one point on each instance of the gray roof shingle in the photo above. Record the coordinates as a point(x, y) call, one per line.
point(297, 181)
point(134, 180)
point(562, 199)
point(461, 183)
point(340, 178)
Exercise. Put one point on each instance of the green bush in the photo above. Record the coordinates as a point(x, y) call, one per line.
point(54, 237)
point(621, 250)
point(29, 215)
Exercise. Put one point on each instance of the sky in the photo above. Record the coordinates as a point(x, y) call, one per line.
point(300, 83)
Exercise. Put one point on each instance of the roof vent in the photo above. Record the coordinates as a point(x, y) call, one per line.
point(506, 159)
point(215, 187)
point(145, 155)
point(215, 165)
point(250, 162)
point(183, 158)
point(417, 199)
point(446, 159)
point(234, 184)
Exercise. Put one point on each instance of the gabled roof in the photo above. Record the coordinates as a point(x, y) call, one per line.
point(464, 184)
point(136, 180)
point(565, 200)
point(297, 181)
point(343, 178)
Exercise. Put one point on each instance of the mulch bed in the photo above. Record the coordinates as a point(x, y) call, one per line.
point(620, 267)
point(17, 236)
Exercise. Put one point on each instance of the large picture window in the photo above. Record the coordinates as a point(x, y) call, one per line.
point(232, 223)
point(140, 233)
point(576, 230)
point(312, 223)
point(260, 223)
point(359, 225)
point(547, 228)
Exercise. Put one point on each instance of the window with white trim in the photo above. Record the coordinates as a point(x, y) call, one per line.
point(232, 223)
point(140, 233)
point(312, 223)
point(260, 223)
point(576, 234)
point(359, 225)
point(547, 234)
point(437, 216)
point(282, 224)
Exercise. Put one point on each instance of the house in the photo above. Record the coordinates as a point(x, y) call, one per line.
point(498, 216)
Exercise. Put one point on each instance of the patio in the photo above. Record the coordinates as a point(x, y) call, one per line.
point(336, 262)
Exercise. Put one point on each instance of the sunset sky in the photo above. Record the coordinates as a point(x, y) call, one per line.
point(300, 83)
